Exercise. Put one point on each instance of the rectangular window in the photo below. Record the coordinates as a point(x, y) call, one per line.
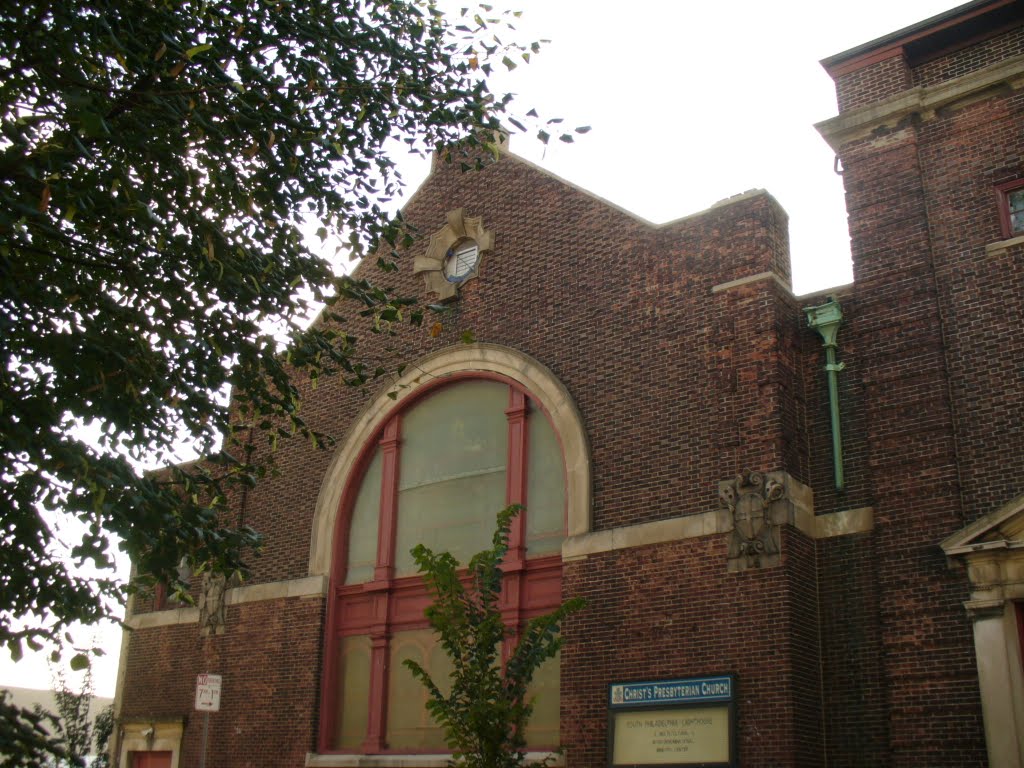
point(1011, 207)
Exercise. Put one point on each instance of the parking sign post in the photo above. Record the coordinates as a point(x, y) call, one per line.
point(207, 701)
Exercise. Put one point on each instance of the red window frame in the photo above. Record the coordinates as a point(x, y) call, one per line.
point(160, 596)
point(389, 604)
point(1003, 197)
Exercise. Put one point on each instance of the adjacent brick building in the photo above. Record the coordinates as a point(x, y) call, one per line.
point(660, 400)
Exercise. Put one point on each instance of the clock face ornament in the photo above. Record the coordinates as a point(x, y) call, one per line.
point(454, 254)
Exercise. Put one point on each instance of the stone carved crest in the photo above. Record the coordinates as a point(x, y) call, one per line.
point(755, 536)
point(212, 619)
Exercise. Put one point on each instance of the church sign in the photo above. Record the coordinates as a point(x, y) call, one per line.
point(685, 722)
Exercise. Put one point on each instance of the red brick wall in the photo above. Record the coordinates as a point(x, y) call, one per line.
point(875, 82)
point(969, 59)
point(937, 328)
point(964, 156)
point(672, 610)
point(853, 674)
point(269, 658)
point(925, 635)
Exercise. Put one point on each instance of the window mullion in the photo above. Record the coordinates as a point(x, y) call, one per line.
point(385, 569)
point(515, 473)
point(383, 575)
point(515, 493)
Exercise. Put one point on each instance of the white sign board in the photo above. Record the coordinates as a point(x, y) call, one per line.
point(208, 693)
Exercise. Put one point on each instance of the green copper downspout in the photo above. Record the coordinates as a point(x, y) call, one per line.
point(826, 319)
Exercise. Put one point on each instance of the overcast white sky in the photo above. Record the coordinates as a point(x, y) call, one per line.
point(693, 102)
point(689, 103)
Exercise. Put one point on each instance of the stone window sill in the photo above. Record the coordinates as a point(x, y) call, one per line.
point(1002, 245)
point(408, 761)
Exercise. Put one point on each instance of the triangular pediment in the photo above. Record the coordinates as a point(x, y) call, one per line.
point(996, 530)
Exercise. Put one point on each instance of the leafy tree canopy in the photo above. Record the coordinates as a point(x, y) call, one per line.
point(157, 159)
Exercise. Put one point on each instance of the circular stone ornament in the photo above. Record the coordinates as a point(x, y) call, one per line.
point(454, 254)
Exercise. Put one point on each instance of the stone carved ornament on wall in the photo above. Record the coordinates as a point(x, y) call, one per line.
point(460, 230)
point(755, 537)
point(212, 619)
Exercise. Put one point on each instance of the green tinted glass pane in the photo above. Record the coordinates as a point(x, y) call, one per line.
point(545, 493)
point(409, 724)
point(460, 430)
point(453, 516)
point(452, 471)
point(353, 692)
point(544, 690)
point(362, 541)
point(1016, 198)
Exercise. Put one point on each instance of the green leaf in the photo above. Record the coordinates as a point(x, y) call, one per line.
point(78, 662)
point(92, 124)
point(195, 50)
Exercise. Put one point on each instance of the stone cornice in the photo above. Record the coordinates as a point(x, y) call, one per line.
point(759, 277)
point(923, 102)
point(310, 586)
point(413, 761)
point(717, 521)
point(163, 618)
point(307, 587)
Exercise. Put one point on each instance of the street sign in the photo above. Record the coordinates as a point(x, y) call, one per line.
point(208, 693)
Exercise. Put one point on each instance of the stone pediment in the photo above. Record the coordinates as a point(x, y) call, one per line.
point(1002, 529)
point(992, 549)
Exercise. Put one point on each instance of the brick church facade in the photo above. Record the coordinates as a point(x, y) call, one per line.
point(816, 502)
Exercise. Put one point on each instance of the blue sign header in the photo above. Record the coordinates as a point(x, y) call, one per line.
point(690, 690)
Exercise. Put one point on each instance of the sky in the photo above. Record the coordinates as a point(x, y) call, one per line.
point(689, 103)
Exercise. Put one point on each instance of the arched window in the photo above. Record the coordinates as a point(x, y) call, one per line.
point(436, 472)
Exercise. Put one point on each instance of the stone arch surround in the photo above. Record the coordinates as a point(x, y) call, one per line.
point(533, 376)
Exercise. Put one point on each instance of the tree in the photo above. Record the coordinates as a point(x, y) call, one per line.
point(73, 724)
point(28, 737)
point(157, 161)
point(103, 729)
point(38, 738)
point(485, 714)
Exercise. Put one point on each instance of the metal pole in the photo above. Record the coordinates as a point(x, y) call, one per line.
point(826, 319)
point(206, 734)
point(833, 400)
